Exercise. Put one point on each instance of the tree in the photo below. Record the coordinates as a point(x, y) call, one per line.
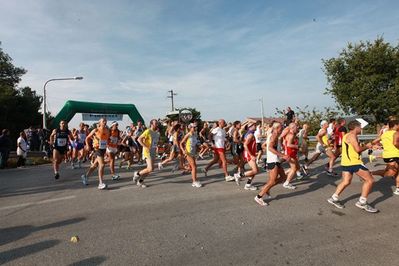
point(364, 79)
point(19, 107)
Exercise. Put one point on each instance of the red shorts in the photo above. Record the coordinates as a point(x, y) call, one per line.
point(218, 150)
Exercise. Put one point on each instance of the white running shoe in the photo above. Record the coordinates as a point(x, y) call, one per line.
point(85, 180)
point(135, 176)
point(396, 192)
point(237, 177)
point(229, 178)
point(196, 184)
point(260, 201)
point(366, 207)
point(115, 177)
point(289, 186)
point(160, 166)
point(102, 186)
point(335, 203)
point(250, 187)
point(142, 184)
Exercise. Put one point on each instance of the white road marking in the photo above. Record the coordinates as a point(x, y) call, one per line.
point(36, 203)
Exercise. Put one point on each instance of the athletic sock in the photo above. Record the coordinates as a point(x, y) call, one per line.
point(334, 197)
point(249, 181)
point(141, 180)
point(363, 200)
point(259, 196)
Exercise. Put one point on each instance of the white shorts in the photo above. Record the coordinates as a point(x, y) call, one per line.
point(112, 150)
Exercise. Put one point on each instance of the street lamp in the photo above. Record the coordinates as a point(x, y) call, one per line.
point(44, 96)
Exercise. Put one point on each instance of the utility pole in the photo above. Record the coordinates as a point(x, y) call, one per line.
point(171, 96)
point(261, 111)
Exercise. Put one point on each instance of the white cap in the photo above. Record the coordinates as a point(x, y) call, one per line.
point(322, 123)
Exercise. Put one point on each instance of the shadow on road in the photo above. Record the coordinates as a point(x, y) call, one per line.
point(90, 261)
point(16, 253)
point(11, 234)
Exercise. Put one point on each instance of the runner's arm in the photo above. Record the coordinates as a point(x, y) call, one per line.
point(52, 137)
point(396, 139)
point(290, 140)
point(91, 134)
point(273, 142)
point(355, 144)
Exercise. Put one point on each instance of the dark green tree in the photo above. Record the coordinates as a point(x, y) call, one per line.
point(364, 79)
point(19, 107)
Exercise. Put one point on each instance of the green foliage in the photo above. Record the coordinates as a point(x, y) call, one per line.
point(364, 79)
point(19, 107)
point(312, 117)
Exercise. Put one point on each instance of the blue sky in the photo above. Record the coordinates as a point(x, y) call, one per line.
point(219, 56)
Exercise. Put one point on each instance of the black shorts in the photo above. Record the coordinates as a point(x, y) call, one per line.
point(392, 160)
point(271, 166)
point(237, 149)
point(354, 168)
point(258, 147)
point(61, 150)
point(100, 152)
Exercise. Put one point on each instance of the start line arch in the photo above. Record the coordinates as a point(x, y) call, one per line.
point(72, 107)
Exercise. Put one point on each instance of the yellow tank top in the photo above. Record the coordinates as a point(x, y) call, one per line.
point(324, 139)
point(349, 155)
point(390, 151)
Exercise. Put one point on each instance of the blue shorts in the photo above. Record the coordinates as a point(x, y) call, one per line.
point(354, 168)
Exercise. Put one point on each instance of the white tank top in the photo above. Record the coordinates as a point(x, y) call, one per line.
point(271, 157)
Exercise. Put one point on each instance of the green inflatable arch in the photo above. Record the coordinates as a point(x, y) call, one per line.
point(72, 107)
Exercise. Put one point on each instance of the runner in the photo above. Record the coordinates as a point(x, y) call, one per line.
point(59, 140)
point(112, 148)
point(322, 147)
point(339, 132)
point(276, 171)
point(219, 137)
point(352, 163)
point(237, 147)
point(258, 138)
point(149, 141)
point(303, 141)
point(137, 133)
point(291, 150)
point(390, 142)
point(189, 147)
point(177, 134)
point(79, 146)
point(250, 148)
point(129, 149)
point(100, 137)
point(204, 140)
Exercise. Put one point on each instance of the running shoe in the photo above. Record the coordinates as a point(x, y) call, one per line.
point(229, 178)
point(115, 177)
point(289, 186)
point(141, 184)
point(304, 169)
point(250, 187)
point(56, 175)
point(200, 156)
point(196, 184)
point(135, 176)
point(396, 192)
point(80, 164)
point(332, 173)
point(85, 180)
point(73, 166)
point(237, 177)
point(203, 170)
point(335, 203)
point(260, 201)
point(102, 186)
point(366, 207)
point(160, 166)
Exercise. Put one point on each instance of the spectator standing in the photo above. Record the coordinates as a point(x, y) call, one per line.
point(290, 115)
point(5, 146)
point(22, 148)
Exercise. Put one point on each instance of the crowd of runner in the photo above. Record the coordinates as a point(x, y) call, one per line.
point(249, 147)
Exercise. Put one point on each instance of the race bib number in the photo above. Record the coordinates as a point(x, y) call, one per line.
point(114, 140)
point(61, 142)
point(103, 145)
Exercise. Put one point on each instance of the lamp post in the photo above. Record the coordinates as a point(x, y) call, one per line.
point(44, 96)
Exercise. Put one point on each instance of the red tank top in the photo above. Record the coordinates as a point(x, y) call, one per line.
point(292, 152)
point(251, 146)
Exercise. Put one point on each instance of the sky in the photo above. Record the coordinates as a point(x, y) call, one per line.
point(220, 57)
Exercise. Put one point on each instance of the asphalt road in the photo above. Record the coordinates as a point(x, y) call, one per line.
point(171, 223)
